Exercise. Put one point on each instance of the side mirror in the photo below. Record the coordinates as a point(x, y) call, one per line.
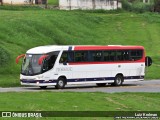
point(148, 61)
point(20, 56)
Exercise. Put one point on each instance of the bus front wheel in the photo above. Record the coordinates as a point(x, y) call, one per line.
point(60, 83)
point(118, 80)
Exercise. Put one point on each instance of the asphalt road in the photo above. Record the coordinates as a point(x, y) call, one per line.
point(139, 86)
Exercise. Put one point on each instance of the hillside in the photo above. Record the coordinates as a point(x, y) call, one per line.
point(22, 30)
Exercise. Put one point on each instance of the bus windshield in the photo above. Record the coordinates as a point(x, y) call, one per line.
point(31, 64)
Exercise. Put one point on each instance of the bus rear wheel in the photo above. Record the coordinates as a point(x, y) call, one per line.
point(60, 83)
point(118, 80)
point(101, 84)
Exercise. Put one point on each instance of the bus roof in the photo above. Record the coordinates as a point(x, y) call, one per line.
point(46, 49)
point(51, 48)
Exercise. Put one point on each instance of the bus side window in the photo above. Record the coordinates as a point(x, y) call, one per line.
point(112, 56)
point(119, 55)
point(51, 61)
point(106, 55)
point(136, 54)
point(97, 56)
point(67, 56)
point(126, 55)
point(109, 56)
point(70, 56)
point(80, 56)
point(122, 55)
point(63, 58)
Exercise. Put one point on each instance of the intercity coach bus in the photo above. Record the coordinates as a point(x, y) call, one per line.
point(65, 65)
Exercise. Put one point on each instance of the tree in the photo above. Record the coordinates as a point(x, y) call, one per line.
point(157, 5)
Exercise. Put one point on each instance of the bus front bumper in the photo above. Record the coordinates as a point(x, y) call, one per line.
point(38, 82)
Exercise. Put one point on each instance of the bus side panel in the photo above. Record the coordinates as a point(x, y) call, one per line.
point(95, 73)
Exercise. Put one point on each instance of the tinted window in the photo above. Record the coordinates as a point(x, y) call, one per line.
point(67, 56)
point(50, 61)
point(106, 55)
point(95, 56)
point(136, 54)
point(122, 55)
point(70, 56)
point(63, 57)
point(80, 56)
point(109, 56)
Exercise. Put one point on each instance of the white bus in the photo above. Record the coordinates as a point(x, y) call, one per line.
point(65, 65)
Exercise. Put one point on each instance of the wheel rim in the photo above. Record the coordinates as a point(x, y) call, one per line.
point(118, 81)
point(61, 83)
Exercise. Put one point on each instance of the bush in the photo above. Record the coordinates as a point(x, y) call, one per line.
point(19, 7)
point(157, 6)
point(126, 5)
point(4, 57)
point(142, 7)
point(137, 6)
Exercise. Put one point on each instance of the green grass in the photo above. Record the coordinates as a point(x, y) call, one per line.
point(53, 2)
point(73, 101)
point(22, 30)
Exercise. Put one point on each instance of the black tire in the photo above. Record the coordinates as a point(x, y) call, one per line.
point(43, 87)
point(101, 84)
point(118, 80)
point(60, 83)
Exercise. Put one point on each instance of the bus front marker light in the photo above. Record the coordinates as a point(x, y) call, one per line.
point(37, 82)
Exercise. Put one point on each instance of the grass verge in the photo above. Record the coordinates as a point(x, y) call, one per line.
point(75, 101)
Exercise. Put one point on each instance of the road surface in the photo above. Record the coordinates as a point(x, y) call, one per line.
point(139, 86)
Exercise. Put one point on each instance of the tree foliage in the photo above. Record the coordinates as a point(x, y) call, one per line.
point(137, 6)
point(157, 6)
point(4, 57)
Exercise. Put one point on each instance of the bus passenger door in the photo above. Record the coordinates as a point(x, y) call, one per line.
point(64, 69)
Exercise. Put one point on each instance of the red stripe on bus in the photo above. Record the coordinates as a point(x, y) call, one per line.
point(107, 47)
point(85, 63)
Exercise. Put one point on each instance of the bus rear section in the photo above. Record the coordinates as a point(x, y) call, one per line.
point(67, 65)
